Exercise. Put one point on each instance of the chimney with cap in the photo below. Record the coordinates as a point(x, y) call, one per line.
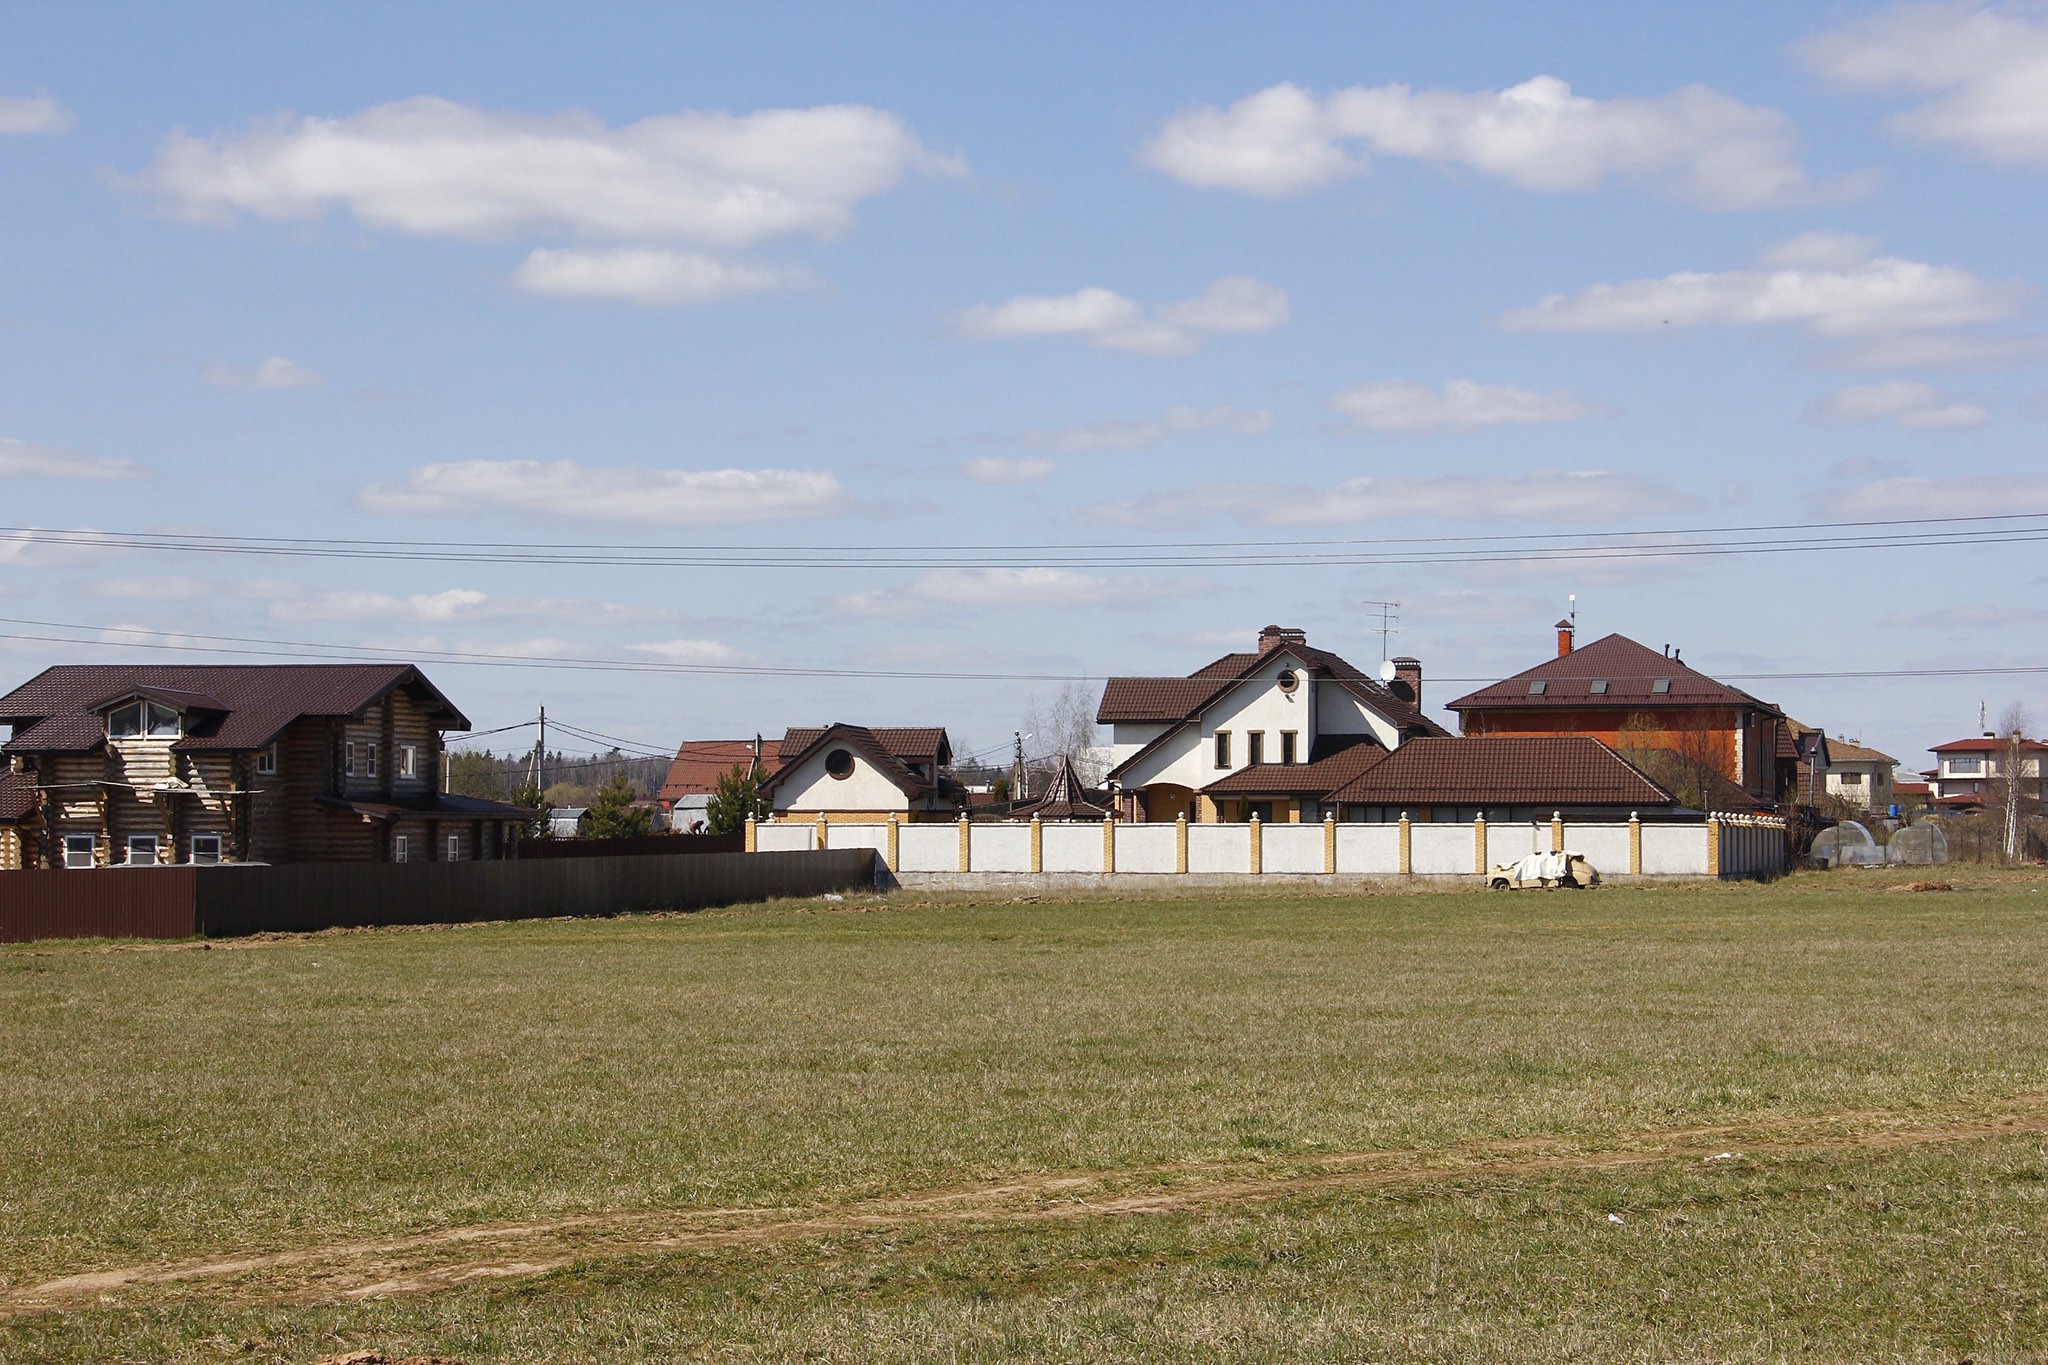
point(1407, 681)
point(1281, 635)
point(1564, 637)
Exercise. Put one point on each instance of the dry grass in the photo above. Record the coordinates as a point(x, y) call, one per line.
point(342, 1086)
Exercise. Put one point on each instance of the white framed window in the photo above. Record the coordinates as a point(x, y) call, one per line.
point(139, 718)
point(142, 850)
point(205, 850)
point(370, 755)
point(81, 850)
point(266, 761)
point(348, 759)
point(401, 848)
point(455, 848)
point(1967, 764)
point(408, 760)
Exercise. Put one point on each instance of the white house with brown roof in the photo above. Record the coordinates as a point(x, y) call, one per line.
point(1270, 732)
point(855, 774)
point(1860, 775)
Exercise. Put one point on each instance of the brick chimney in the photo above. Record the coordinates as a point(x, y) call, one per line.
point(1407, 681)
point(1564, 638)
point(1281, 635)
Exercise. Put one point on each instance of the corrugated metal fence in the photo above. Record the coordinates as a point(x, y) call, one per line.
point(178, 902)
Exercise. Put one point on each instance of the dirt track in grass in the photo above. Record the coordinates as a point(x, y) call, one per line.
point(452, 1256)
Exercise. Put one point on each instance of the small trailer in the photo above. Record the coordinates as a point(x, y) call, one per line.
point(1546, 870)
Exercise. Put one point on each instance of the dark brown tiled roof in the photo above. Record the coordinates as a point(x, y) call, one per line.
point(1335, 761)
point(443, 806)
point(17, 795)
point(239, 706)
point(910, 743)
point(1165, 700)
point(1842, 751)
point(1630, 672)
point(1565, 770)
point(1066, 798)
point(699, 763)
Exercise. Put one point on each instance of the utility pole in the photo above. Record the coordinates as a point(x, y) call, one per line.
point(540, 753)
point(1017, 787)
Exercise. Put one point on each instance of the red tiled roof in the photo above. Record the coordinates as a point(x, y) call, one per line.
point(232, 706)
point(1910, 788)
point(1562, 770)
point(699, 763)
point(17, 795)
point(1983, 744)
point(1335, 760)
point(1630, 671)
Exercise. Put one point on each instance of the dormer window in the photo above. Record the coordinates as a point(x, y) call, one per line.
point(1598, 687)
point(140, 719)
point(1661, 686)
point(1537, 688)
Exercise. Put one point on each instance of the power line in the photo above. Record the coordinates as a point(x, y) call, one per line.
point(301, 649)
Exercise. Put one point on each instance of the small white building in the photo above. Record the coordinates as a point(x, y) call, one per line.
point(1860, 775)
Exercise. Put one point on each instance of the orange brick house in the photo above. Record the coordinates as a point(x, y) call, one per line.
point(1633, 698)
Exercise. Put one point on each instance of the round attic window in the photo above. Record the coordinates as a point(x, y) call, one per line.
point(1288, 680)
point(839, 763)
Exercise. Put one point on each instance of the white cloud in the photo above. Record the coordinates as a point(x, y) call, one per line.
point(1399, 405)
point(1985, 66)
point(433, 167)
point(24, 115)
point(358, 605)
point(1103, 317)
point(277, 372)
point(1694, 144)
point(1026, 588)
point(167, 588)
point(998, 470)
point(1552, 497)
point(1962, 496)
point(563, 488)
point(1811, 282)
point(1908, 402)
point(1967, 616)
point(650, 275)
point(23, 459)
point(692, 651)
point(1137, 435)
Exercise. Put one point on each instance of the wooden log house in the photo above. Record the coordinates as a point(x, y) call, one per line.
point(272, 763)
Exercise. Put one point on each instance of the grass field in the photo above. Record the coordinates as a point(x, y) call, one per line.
point(1704, 1122)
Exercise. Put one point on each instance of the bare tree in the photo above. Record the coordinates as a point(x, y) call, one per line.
point(1062, 727)
point(2008, 784)
point(1681, 752)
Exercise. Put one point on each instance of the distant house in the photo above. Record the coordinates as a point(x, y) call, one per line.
point(698, 765)
point(854, 773)
point(212, 763)
point(1632, 698)
point(567, 822)
point(1269, 733)
point(1805, 761)
point(1968, 773)
point(1861, 775)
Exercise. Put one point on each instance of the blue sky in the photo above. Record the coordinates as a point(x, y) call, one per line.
point(912, 276)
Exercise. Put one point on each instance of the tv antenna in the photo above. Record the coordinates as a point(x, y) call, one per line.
point(1390, 612)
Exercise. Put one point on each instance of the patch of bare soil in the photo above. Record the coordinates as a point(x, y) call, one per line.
point(454, 1256)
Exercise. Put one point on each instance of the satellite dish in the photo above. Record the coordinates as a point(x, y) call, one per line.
point(1387, 670)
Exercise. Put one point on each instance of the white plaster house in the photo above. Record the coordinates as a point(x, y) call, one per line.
point(1860, 775)
point(1268, 733)
point(853, 773)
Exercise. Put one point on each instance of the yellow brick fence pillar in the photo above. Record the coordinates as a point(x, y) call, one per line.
point(1258, 847)
point(966, 844)
point(895, 840)
point(1635, 844)
point(753, 835)
point(1407, 847)
point(1180, 843)
point(1329, 842)
point(1037, 845)
point(823, 840)
point(1713, 846)
point(1479, 845)
point(1108, 844)
point(1556, 831)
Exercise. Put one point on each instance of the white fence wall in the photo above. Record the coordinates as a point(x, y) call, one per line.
point(1146, 848)
point(1291, 848)
point(1078, 848)
point(1749, 847)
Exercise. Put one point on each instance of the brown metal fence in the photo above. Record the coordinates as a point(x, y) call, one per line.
point(114, 902)
point(176, 902)
point(641, 845)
